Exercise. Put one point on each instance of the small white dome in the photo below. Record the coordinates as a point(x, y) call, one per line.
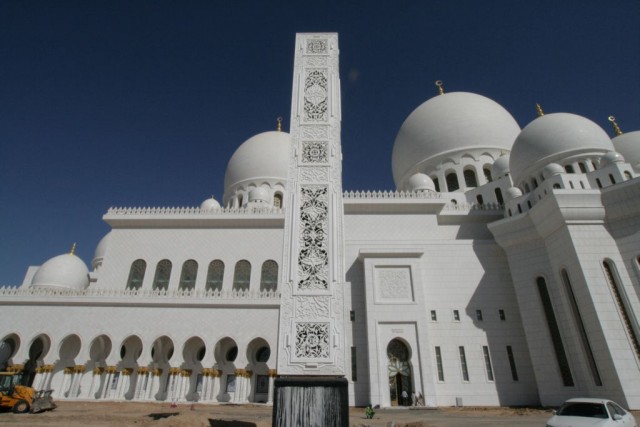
point(500, 167)
point(210, 204)
point(101, 250)
point(264, 157)
point(513, 192)
point(450, 123)
point(611, 157)
point(62, 271)
point(552, 169)
point(628, 144)
point(421, 182)
point(259, 194)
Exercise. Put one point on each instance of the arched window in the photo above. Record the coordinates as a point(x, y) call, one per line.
point(240, 201)
point(581, 328)
point(526, 187)
point(534, 182)
point(436, 184)
point(188, 276)
point(627, 175)
point(556, 186)
point(136, 274)
point(487, 174)
point(470, 179)
point(215, 275)
point(163, 273)
point(242, 276)
point(569, 169)
point(452, 181)
point(277, 200)
point(598, 183)
point(582, 167)
point(479, 199)
point(612, 179)
point(624, 307)
point(269, 276)
point(556, 338)
point(499, 198)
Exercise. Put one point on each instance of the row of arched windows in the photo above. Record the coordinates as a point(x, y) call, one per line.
point(215, 275)
point(469, 175)
point(622, 303)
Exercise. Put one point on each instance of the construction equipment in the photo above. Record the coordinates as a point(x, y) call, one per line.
point(21, 398)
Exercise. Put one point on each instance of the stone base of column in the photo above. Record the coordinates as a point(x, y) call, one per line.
point(310, 401)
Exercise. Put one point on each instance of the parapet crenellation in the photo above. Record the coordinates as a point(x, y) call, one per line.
point(195, 211)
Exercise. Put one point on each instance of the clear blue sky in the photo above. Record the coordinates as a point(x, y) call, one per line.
point(142, 103)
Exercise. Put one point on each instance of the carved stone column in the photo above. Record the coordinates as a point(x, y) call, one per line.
point(272, 375)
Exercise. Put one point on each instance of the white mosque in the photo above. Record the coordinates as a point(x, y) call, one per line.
point(504, 270)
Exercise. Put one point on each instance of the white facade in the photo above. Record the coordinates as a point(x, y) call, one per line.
point(504, 271)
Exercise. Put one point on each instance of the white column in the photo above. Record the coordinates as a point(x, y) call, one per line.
point(272, 375)
point(215, 385)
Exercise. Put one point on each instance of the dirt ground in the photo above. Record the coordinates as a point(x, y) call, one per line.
point(227, 415)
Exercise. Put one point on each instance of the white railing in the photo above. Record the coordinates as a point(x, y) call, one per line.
point(189, 211)
point(391, 195)
point(140, 293)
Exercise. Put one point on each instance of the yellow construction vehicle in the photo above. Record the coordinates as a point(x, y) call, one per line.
point(21, 398)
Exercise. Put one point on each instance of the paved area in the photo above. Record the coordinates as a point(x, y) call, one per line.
point(163, 414)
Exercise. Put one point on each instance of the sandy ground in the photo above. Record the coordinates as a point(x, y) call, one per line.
point(163, 414)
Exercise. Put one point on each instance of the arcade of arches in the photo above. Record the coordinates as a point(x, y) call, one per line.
point(144, 371)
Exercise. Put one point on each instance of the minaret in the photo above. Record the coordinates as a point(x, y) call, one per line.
point(311, 336)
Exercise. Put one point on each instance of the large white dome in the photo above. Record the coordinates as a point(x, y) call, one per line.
point(62, 271)
point(101, 250)
point(551, 139)
point(264, 157)
point(450, 123)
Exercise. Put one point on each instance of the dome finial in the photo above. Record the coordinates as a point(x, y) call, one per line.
point(279, 125)
point(73, 249)
point(539, 110)
point(616, 128)
point(440, 87)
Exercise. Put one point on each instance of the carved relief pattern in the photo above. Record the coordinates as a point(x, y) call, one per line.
point(313, 258)
point(312, 340)
point(394, 283)
point(317, 45)
point(316, 175)
point(314, 152)
point(314, 132)
point(312, 307)
point(315, 95)
point(315, 61)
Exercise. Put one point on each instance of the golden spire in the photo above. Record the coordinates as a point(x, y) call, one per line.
point(440, 87)
point(616, 128)
point(73, 249)
point(279, 125)
point(539, 110)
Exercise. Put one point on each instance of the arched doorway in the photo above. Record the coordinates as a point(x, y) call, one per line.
point(399, 371)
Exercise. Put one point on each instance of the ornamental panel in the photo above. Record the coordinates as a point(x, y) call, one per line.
point(312, 307)
point(314, 175)
point(313, 257)
point(312, 340)
point(316, 46)
point(314, 152)
point(315, 96)
point(393, 284)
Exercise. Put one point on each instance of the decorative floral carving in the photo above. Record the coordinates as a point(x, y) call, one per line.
point(315, 95)
point(313, 258)
point(314, 152)
point(312, 340)
point(394, 283)
point(315, 61)
point(315, 307)
point(316, 46)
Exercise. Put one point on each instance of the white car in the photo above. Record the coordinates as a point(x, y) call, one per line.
point(587, 412)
